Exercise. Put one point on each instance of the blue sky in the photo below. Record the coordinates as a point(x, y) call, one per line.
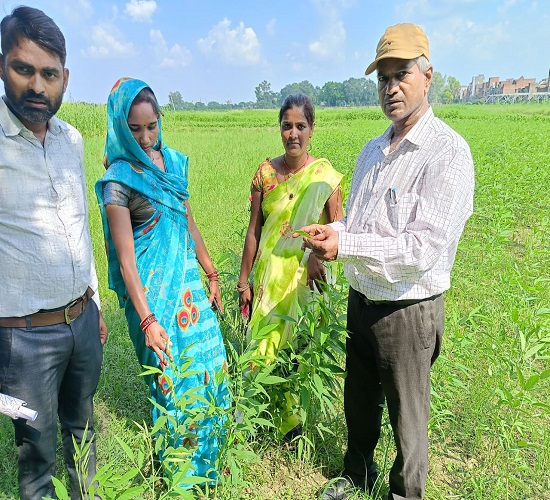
point(221, 50)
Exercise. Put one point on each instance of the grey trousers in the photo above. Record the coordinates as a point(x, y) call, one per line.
point(55, 369)
point(390, 350)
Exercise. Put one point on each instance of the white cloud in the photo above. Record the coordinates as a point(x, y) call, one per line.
point(141, 11)
point(235, 47)
point(460, 34)
point(108, 42)
point(169, 57)
point(432, 9)
point(411, 8)
point(76, 11)
point(330, 43)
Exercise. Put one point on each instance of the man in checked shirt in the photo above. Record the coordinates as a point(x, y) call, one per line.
point(411, 194)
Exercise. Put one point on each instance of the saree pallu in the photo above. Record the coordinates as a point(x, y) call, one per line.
point(280, 276)
point(168, 270)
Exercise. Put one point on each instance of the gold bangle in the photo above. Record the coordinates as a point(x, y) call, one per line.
point(242, 287)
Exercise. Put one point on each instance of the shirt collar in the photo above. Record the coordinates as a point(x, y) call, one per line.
point(415, 134)
point(13, 126)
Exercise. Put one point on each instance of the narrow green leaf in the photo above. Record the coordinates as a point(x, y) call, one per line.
point(273, 379)
point(531, 382)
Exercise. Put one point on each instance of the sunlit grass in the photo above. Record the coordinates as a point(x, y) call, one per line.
point(490, 414)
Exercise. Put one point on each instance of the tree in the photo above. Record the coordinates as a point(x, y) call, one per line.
point(304, 87)
point(215, 106)
point(331, 94)
point(265, 97)
point(176, 100)
point(446, 96)
point(353, 91)
point(436, 88)
point(360, 92)
point(371, 94)
point(454, 87)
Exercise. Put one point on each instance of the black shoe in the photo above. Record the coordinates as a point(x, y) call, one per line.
point(372, 477)
point(293, 434)
point(290, 439)
point(341, 489)
point(344, 487)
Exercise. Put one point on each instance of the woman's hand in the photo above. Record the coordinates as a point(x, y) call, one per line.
point(215, 294)
point(316, 272)
point(245, 303)
point(158, 341)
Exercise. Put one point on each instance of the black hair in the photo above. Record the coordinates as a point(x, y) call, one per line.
point(298, 101)
point(147, 95)
point(32, 24)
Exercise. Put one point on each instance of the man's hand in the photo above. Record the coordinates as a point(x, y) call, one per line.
point(103, 332)
point(323, 241)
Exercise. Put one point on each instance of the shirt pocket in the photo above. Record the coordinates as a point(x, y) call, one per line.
point(401, 210)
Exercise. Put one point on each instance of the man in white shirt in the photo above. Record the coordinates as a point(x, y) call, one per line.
point(411, 194)
point(51, 330)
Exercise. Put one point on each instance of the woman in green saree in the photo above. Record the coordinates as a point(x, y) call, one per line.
point(287, 192)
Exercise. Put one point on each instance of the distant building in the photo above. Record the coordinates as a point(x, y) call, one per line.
point(480, 89)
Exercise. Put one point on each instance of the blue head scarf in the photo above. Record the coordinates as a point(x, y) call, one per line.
point(169, 187)
point(128, 164)
point(120, 143)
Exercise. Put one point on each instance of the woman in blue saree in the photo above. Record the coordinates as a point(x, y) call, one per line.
point(153, 246)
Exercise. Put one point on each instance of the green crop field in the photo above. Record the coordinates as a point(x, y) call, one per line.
point(490, 421)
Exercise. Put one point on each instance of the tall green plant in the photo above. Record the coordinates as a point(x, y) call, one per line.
point(309, 367)
point(174, 433)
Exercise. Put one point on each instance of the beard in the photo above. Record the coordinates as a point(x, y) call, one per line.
point(18, 104)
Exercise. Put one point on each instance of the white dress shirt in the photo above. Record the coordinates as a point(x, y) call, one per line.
point(46, 258)
point(406, 211)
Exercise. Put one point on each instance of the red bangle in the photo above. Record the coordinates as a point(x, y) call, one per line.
point(213, 276)
point(147, 322)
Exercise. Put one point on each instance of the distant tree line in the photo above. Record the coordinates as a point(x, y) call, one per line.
point(444, 89)
point(352, 92)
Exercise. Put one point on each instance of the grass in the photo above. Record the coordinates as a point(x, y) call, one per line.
point(490, 411)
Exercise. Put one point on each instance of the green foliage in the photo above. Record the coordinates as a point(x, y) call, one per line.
point(89, 119)
point(307, 372)
point(490, 416)
point(437, 87)
point(444, 89)
point(265, 97)
point(304, 87)
point(253, 418)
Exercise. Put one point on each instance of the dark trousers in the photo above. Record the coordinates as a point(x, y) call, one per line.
point(390, 350)
point(55, 369)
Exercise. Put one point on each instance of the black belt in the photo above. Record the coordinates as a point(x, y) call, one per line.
point(65, 314)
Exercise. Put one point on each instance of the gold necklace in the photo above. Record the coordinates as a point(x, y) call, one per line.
point(292, 172)
point(157, 158)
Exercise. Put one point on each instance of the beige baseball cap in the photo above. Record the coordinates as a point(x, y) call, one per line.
point(402, 41)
